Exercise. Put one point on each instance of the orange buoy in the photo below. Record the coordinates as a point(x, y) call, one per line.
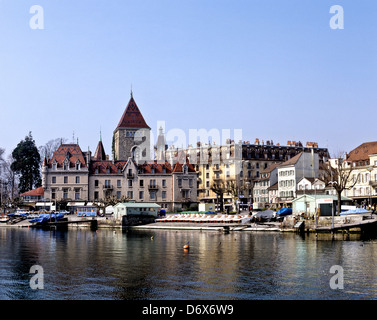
point(186, 246)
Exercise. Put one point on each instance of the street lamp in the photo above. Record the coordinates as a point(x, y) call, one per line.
point(332, 209)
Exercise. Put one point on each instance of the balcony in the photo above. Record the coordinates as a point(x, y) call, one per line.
point(108, 187)
point(152, 187)
point(216, 169)
point(130, 175)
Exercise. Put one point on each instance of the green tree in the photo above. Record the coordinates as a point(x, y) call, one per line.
point(26, 164)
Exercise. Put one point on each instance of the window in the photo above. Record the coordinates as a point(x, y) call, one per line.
point(207, 175)
point(65, 193)
point(96, 183)
point(141, 183)
point(77, 179)
point(53, 179)
point(119, 183)
point(77, 193)
point(95, 195)
point(179, 182)
point(107, 170)
point(119, 194)
point(152, 182)
point(141, 194)
point(190, 183)
point(164, 195)
point(54, 166)
point(107, 184)
point(164, 183)
point(130, 183)
point(153, 195)
point(65, 179)
point(65, 166)
point(130, 194)
point(78, 165)
point(53, 193)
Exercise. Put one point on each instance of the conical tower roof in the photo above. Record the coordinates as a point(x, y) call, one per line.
point(100, 154)
point(132, 117)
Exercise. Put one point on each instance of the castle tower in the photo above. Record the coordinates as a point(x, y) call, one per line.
point(132, 135)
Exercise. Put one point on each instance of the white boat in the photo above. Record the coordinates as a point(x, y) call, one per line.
point(4, 219)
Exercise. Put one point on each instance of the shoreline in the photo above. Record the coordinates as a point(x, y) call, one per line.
point(104, 223)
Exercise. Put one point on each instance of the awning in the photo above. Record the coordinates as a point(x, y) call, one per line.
point(355, 211)
point(44, 204)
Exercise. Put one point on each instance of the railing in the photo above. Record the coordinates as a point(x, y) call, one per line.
point(130, 175)
point(152, 187)
point(108, 187)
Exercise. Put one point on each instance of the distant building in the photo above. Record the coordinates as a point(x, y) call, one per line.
point(304, 164)
point(78, 177)
point(240, 163)
point(363, 179)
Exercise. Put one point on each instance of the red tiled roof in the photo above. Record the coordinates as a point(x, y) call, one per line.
point(179, 167)
point(158, 167)
point(103, 167)
point(36, 192)
point(72, 151)
point(362, 152)
point(100, 152)
point(132, 117)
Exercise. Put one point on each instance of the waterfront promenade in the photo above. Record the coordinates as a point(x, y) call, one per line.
point(355, 224)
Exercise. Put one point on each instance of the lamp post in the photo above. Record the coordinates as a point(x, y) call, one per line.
point(369, 188)
point(332, 209)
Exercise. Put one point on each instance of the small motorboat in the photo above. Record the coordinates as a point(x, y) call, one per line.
point(4, 219)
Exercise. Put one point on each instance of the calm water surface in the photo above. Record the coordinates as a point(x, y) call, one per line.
point(81, 264)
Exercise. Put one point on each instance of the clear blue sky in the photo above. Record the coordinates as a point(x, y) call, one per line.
point(273, 68)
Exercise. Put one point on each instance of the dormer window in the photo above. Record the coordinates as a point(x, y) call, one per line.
point(185, 169)
point(78, 165)
point(65, 165)
point(163, 170)
point(107, 170)
point(153, 170)
point(54, 166)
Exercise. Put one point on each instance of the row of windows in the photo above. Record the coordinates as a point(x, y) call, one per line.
point(130, 195)
point(287, 183)
point(286, 173)
point(66, 166)
point(65, 179)
point(361, 178)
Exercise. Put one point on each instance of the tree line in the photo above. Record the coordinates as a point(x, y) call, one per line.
point(21, 170)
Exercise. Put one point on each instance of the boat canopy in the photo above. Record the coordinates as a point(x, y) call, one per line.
point(355, 211)
point(284, 212)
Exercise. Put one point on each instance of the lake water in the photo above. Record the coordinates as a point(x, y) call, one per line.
point(82, 264)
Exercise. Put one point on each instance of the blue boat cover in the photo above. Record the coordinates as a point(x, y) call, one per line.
point(284, 212)
point(355, 211)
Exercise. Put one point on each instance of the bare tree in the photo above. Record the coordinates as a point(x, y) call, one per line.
point(50, 147)
point(337, 174)
point(219, 187)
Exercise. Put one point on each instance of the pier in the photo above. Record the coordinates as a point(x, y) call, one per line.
point(63, 224)
point(366, 227)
